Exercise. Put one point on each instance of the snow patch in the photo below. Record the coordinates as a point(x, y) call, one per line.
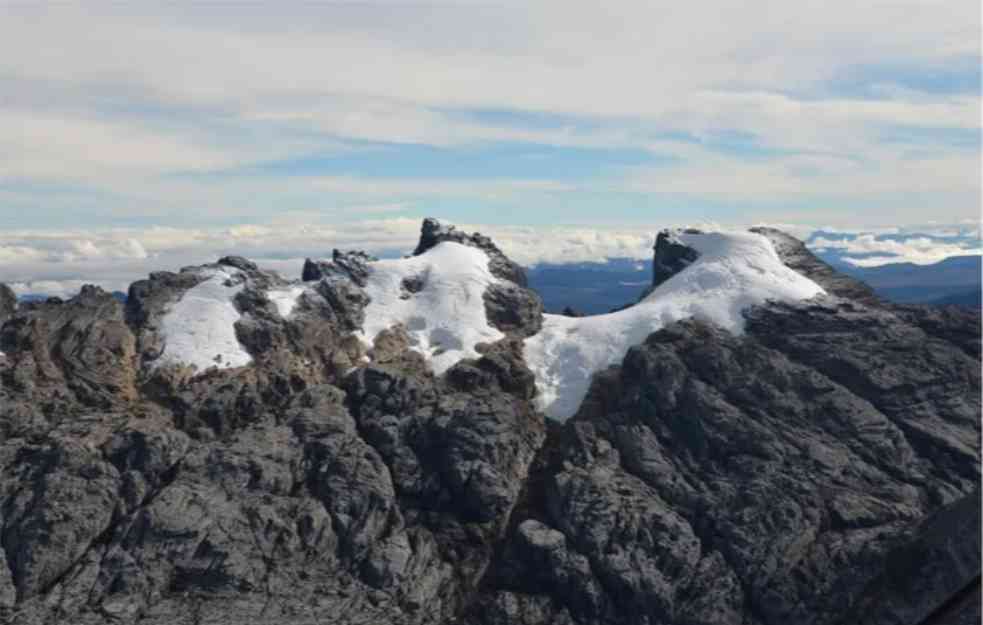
point(445, 318)
point(734, 271)
point(285, 300)
point(199, 329)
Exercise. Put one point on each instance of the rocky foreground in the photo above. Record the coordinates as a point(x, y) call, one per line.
point(822, 468)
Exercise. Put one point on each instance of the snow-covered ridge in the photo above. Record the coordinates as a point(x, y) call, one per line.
point(438, 297)
point(199, 329)
point(445, 316)
point(733, 272)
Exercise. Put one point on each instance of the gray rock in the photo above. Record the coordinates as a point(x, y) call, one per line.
point(8, 303)
point(671, 256)
point(717, 479)
point(349, 265)
point(238, 262)
point(78, 351)
point(941, 562)
point(434, 231)
point(513, 309)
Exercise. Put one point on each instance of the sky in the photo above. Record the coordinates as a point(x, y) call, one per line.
point(135, 137)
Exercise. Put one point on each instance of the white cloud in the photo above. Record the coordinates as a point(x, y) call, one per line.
point(881, 170)
point(52, 288)
point(583, 58)
point(529, 246)
point(424, 187)
point(920, 250)
point(59, 262)
point(38, 261)
point(118, 97)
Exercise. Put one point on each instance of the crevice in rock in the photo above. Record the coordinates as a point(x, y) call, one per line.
point(965, 600)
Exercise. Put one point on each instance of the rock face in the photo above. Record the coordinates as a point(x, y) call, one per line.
point(671, 256)
point(822, 468)
point(8, 302)
point(763, 478)
point(911, 592)
point(350, 265)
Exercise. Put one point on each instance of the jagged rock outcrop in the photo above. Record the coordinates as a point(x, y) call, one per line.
point(434, 231)
point(311, 345)
point(513, 309)
point(766, 478)
point(63, 356)
point(670, 257)
point(378, 504)
point(694, 402)
point(8, 303)
point(351, 265)
point(929, 578)
point(511, 305)
point(821, 468)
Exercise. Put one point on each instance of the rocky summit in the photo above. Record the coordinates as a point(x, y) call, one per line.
point(760, 441)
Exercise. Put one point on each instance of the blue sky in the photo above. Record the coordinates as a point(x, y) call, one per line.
point(194, 118)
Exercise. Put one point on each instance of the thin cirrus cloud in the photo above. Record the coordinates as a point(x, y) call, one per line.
point(118, 116)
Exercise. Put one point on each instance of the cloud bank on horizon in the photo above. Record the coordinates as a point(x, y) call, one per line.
point(59, 262)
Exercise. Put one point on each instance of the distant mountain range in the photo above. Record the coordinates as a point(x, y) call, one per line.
point(955, 280)
point(593, 288)
point(42, 297)
point(590, 288)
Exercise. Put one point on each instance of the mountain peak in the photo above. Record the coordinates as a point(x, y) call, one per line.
point(797, 256)
point(671, 255)
point(434, 231)
point(711, 276)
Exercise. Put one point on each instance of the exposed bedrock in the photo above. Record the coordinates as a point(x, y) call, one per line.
point(8, 303)
point(670, 257)
point(720, 479)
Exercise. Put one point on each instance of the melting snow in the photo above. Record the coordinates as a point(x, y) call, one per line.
point(734, 271)
point(199, 329)
point(446, 318)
